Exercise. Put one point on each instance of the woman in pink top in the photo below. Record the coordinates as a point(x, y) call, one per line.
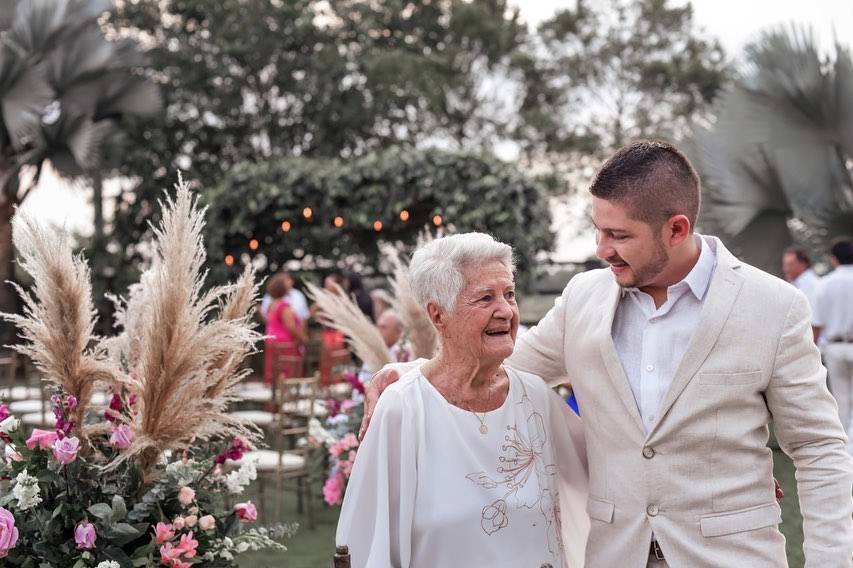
point(285, 331)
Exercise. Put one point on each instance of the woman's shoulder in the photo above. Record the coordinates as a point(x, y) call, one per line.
point(405, 393)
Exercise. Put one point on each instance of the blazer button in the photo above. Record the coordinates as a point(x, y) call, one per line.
point(652, 510)
point(648, 452)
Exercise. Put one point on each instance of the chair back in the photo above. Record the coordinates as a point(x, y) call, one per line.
point(296, 399)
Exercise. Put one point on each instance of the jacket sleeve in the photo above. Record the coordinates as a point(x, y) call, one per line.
point(808, 429)
point(541, 350)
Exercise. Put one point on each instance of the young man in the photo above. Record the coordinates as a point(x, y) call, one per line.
point(680, 356)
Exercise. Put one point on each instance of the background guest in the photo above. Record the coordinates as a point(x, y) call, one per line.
point(285, 330)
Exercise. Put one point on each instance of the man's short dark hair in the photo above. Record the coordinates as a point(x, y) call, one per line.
point(842, 250)
point(654, 179)
point(801, 254)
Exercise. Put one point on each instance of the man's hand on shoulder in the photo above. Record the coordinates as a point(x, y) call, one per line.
point(380, 381)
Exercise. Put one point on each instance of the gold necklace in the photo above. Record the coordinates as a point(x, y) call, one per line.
point(483, 428)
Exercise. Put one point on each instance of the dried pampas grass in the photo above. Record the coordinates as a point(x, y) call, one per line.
point(340, 312)
point(419, 329)
point(58, 315)
point(183, 365)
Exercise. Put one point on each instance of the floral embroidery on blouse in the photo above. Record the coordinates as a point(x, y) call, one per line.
point(523, 459)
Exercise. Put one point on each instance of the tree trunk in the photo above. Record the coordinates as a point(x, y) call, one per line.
point(9, 301)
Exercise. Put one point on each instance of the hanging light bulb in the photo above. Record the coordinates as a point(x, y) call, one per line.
point(285, 226)
point(377, 226)
point(307, 213)
point(254, 244)
point(436, 220)
point(229, 260)
point(404, 215)
point(339, 221)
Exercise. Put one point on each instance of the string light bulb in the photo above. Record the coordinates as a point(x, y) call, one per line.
point(229, 260)
point(307, 213)
point(254, 244)
point(339, 221)
point(285, 226)
point(436, 220)
point(377, 226)
point(404, 215)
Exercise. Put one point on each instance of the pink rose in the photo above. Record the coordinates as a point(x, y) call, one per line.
point(332, 490)
point(8, 532)
point(206, 523)
point(349, 441)
point(178, 523)
point(4, 412)
point(65, 450)
point(190, 520)
point(188, 545)
point(121, 437)
point(246, 511)
point(169, 554)
point(186, 495)
point(85, 535)
point(44, 439)
point(163, 533)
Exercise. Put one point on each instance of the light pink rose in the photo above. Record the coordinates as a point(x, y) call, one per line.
point(65, 450)
point(85, 535)
point(333, 490)
point(44, 439)
point(206, 523)
point(246, 511)
point(163, 533)
point(190, 520)
point(169, 554)
point(186, 495)
point(178, 523)
point(8, 532)
point(121, 437)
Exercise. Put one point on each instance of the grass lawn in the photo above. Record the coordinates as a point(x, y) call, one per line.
point(314, 548)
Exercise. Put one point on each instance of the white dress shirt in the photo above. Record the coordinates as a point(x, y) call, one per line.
point(651, 341)
point(807, 283)
point(834, 310)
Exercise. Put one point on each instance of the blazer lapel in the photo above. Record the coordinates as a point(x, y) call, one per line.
point(720, 298)
point(612, 361)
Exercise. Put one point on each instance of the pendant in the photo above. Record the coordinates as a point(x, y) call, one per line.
point(484, 429)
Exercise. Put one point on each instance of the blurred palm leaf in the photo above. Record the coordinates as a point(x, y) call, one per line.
point(780, 148)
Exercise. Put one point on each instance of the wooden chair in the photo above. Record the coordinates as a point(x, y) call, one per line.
point(342, 557)
point(290, 454)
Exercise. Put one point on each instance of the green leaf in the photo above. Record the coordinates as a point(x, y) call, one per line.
point(119, 508)
point(122, 533)
point(103, 512)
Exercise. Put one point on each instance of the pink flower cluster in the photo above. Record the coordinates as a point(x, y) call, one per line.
point(333, 489)
point(62, 408)
point(85, 535)
point(4, 412)
point(172, 554)
point(8, 532)
point(233, 452)
point(246, 511)
point(348, 442)
point(64, 448)
point(356, 384)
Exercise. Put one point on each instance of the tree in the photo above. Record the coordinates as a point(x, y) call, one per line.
point(596, 78)
point(64, 90)
point(777, 161)
point(254, 80)
point(258, 211)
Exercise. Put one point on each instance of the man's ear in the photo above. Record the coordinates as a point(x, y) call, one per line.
point(677, 229)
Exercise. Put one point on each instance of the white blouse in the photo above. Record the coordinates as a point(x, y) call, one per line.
point(429, 490)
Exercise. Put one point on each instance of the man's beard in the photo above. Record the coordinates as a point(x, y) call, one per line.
point(643, 275)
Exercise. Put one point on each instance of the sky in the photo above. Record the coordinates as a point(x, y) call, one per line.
point(734, 22)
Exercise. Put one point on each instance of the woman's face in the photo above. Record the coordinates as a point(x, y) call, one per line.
point(485, 320)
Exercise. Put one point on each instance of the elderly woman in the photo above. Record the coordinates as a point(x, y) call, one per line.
point(467, 463)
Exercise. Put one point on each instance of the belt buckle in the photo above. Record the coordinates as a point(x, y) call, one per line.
point(656, 551)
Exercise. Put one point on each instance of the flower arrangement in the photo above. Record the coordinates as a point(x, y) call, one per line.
point(337, 435)
point(141, 482)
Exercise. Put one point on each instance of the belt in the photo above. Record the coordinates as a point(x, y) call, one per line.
point(655, 551)
point(840, 339)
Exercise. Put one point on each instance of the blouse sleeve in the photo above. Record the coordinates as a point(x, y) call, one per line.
point(569, 447)
point(377, 512)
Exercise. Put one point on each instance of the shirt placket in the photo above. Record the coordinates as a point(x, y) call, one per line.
point(649, 372)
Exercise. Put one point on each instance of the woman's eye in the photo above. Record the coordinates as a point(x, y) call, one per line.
point(510, 295)
point(486, 298)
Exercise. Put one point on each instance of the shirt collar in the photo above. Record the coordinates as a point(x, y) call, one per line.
point(699, 278)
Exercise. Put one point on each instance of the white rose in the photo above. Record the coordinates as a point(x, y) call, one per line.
point(9, 425)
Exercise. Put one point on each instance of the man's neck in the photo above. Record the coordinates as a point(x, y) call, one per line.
point(681, 263)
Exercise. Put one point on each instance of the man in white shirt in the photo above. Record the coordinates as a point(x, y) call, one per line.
point(833, 322)
point(680, 355)
point(796, 265)
point(294, 298)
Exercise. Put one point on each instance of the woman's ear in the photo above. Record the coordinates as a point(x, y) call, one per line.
point(436, 316)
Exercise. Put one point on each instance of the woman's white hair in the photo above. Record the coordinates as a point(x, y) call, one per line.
point(436, 269)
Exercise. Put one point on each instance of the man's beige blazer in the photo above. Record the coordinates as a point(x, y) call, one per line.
point(702, 478)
